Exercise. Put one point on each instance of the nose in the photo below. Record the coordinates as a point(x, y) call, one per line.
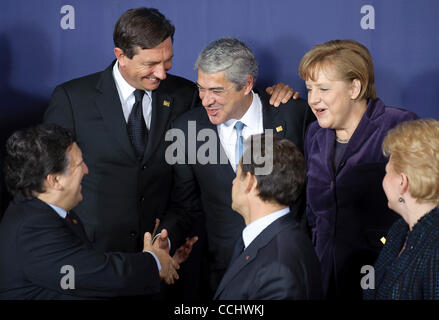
point(160, 71)
point(84, 168)
point(313, 97)
point(206, 98)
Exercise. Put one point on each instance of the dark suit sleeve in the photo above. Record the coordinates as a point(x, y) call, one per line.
point(59, 110)
point(277, 282)
point(46, 246)
point(185, 206)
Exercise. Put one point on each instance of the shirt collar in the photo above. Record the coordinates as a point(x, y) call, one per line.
point(60, 211)
point(251, 231)
point(125, 89)
point(250, 118)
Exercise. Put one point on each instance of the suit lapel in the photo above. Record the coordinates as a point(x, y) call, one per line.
point(271, 118)
point(162, 105)
point(251, 252)
point(362, 133)
point(228, 172)
point(108, 103)
point(78, 228)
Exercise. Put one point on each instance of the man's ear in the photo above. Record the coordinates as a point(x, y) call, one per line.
point(356, 89)
point(52, 182)
point(252, 183)
point(249, 85)
point(120, 55)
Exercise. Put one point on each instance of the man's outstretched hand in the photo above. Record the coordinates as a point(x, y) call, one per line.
point(168, 273)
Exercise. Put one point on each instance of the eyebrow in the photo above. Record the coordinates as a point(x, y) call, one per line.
point(214, 88)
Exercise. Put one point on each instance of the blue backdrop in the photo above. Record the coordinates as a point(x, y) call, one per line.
point(46, 42)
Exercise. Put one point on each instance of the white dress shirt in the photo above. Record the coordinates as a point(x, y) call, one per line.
point(251, 231)
point(253, 125)
point(127, 99)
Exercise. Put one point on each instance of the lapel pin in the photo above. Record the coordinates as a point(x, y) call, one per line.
point(383, 240)
point(246, 257)
point(166, 103)
point(279, 129)
point(75, 221)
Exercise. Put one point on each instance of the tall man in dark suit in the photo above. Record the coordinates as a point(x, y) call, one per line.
point(119, 117)
point(44, 251)
point(230, 111)
point(274, 259)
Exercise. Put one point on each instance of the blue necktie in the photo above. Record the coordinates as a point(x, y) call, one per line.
point(239, 141)
point(136, 125)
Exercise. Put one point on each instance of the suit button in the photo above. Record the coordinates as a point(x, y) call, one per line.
point(142, 199)
point(144, 167)
point(133, 234)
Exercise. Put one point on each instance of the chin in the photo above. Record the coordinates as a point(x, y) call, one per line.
point(151, 86)
point(323, 124)
point(215, 120)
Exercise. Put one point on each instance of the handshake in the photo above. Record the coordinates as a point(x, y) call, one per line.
point(161, 249)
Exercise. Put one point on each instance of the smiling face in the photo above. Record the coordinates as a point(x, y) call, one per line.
point(72, 178)
point(330, 99)
point(392, 185)
point(147, 67)
point(221, 99)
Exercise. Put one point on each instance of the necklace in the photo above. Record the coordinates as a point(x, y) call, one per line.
point(341, 140)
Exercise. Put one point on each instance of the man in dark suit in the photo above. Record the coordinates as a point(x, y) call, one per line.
point(119, 117)
point(44, 251)
point(274, 258)
point(205, 162)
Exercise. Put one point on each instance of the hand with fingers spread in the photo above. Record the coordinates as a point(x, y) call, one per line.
point(168, 272)
point(160, 241)
point(281, 93)
point(184, 251)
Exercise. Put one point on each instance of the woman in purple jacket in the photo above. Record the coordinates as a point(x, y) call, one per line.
point(346, 205)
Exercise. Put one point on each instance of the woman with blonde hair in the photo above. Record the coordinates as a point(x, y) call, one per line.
point(408, 265)
point(346, 206)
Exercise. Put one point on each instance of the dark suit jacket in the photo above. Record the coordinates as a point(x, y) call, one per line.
point(207, 187)
point(347, 209)
point(122, 196)
point(279, 264)
point(36, 243)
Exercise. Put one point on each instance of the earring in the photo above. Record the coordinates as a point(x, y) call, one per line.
point(401, 200)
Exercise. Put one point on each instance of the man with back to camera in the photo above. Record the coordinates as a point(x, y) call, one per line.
point(40, 236)
point(231, 110)
point(274, 259)
point(119, 117)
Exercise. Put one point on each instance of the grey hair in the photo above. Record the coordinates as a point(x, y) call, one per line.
point(233, 57)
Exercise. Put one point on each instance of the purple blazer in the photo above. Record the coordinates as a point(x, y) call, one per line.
point(347, 209)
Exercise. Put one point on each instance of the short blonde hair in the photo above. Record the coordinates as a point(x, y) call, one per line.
point(414, 148)
point(350, 59)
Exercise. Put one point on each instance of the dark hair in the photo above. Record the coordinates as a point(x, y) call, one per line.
point(32, 154)
point(286, 180)
point(141, 27)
